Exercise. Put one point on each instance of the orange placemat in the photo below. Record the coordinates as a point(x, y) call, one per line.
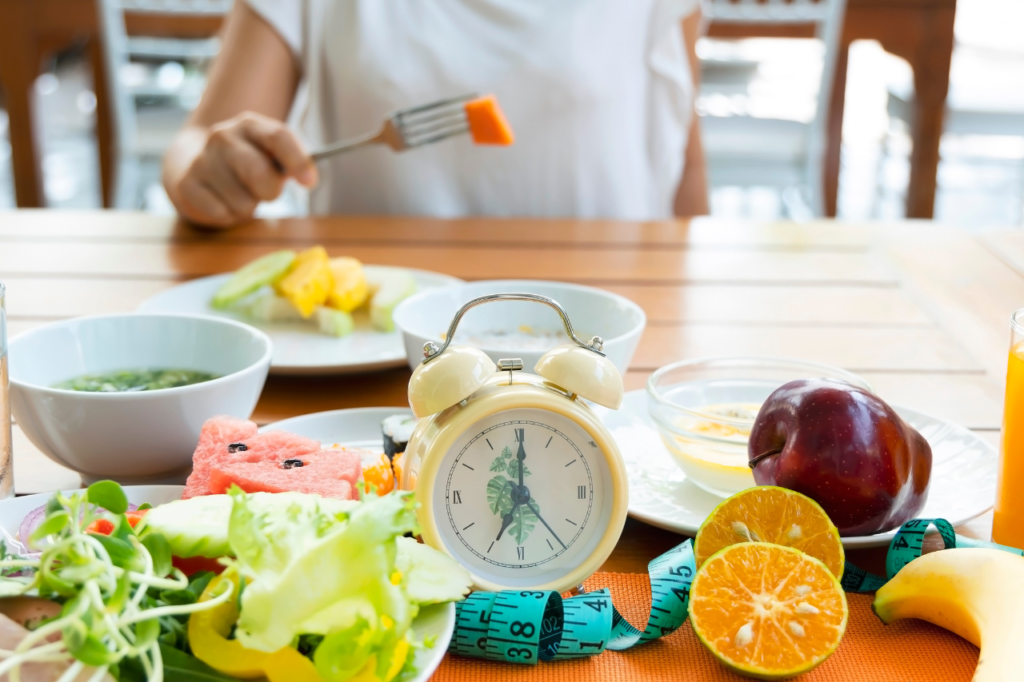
point(906, 651)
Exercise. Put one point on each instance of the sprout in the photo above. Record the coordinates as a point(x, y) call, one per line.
point(103, 581)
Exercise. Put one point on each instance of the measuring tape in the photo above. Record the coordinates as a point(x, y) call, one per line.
point(905, 547)
point(527, 627)
point(531, 626)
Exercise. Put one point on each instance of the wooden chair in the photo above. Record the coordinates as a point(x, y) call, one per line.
point(136, 155)
point(747, 151)
point(986, 98)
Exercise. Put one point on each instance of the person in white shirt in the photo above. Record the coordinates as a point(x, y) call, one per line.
point(600, 94)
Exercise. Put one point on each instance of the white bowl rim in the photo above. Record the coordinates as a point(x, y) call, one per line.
point(268, 349)
point(740, 359)
point(417, 297)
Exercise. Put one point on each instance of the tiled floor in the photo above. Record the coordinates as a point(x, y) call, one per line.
point(981, 178)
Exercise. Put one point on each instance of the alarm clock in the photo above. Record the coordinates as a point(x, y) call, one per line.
point(516, 477)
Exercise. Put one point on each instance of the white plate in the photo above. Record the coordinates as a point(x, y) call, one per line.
point(357, 427)
point(299, 348)
point(963, 473)
point(436, 621)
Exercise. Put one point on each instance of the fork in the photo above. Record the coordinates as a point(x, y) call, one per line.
point(412, 127)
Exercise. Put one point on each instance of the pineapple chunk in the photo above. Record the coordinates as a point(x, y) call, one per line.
point(350, 290)
point(309, 282)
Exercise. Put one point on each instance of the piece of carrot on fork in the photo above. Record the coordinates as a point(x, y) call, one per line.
point(487, 123)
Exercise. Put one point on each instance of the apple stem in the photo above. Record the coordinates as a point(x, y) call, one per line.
point(764, 455)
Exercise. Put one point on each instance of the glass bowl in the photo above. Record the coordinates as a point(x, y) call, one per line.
point(704, 410)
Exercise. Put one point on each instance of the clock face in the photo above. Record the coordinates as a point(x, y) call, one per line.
point(521, 497)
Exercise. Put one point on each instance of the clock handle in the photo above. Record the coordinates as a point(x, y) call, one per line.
point(431, 350)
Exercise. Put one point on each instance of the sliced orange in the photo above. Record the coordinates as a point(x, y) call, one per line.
point(771, 514)
point(767, 611)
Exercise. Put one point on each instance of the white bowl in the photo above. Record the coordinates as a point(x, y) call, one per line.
point(139, 436)
point(497, 328)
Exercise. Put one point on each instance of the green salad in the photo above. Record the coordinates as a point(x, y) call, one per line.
point(301, 588)
point(128, 380)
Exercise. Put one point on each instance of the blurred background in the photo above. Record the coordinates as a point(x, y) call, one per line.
point(864, 109)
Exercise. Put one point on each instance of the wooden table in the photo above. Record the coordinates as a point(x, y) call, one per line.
point(918, 309)
point(920, 31)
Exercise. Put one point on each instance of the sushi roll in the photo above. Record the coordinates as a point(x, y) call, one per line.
point(397, 430)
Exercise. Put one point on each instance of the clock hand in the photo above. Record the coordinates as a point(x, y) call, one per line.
point(506, 520)
point(521, 455)
point(529, 504)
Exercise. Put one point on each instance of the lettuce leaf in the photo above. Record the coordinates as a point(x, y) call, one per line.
point(429, 576)
point(314, 572)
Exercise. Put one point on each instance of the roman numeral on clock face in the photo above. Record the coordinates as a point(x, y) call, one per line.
point(456, 497)
point(581, 492)
point(521, 553)
point(520, 435)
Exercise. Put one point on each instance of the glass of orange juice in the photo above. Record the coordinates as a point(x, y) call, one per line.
point(1008, 521)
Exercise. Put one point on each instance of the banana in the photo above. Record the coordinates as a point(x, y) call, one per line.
point(976, 593)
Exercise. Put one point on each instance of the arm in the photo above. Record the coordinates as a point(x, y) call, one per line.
point(235, 149)
point(692, 195)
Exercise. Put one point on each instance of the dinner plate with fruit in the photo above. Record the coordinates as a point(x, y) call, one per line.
point(870, 465)
point(324, 315)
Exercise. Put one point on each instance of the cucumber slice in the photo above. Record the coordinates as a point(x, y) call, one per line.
point(199, 526)
point(390, 287)
point(334, 322)
point(193, 527)
point(264, 270)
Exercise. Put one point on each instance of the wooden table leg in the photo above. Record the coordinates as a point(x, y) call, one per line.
point(19, 66)
point(834, 143)
point(931, 64)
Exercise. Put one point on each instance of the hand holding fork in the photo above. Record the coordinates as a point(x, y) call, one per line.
point(217, 176)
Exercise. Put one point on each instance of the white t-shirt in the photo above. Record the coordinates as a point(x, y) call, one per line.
point(598, 92)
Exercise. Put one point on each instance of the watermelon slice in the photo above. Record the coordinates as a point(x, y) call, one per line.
point(225, 441)
point(214, 438)
point(330, 473)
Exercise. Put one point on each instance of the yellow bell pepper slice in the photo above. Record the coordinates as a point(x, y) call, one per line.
point(208, 636)
point(397, 660)
point(288, 665)
point(309, 282)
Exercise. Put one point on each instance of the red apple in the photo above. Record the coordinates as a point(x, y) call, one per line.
point(844, 448)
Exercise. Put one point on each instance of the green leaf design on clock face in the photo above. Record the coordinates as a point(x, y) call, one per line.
point(523, 522)
point(502, 461)
point(513, 470)
point(499, 495)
